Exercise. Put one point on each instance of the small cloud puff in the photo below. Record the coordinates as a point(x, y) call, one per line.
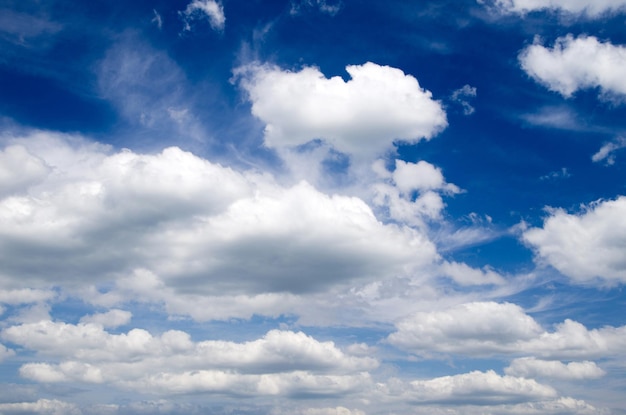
point(204, 9)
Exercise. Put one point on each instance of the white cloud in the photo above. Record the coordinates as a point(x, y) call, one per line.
point(587, 246)
point(529, 367)
point(462, 96)
point(577, 63)
point(209, 9)
point(110, 319)
point(478, 388)
point(589, 8)
point(186, 222)
point(361, 117)
point(396, 194)
point(607, 151)
point(25, 296)
point(465, 275)
point(42, 406)
point(473, 328)
point(5, 353)
point(488, 328)
point(279, 363)
point(19, 170)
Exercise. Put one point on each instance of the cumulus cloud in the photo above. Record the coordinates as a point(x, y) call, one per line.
point(191, 227)
point(489, 328)
point(5, 353)
point(589, 8)
point(110, 319)
point(19, 170)
point(577, 63)
point(530, 367)
point(587, 246)
point(478, 388)
point(281, 362)
point(204, 9)
point(361, 117)
point(25, 296)
point(412, 193)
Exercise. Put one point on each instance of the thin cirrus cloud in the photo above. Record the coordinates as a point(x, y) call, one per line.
point(574, 64)
point(588, 246)
point(301, 106)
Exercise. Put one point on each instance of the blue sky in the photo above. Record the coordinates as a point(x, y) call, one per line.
point(312, 207)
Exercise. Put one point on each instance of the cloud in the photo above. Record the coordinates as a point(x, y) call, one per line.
point(111, 319)
point(19, 170)
point(42, 406)
point(586, 247)
point(191, 228)
point(588, 8)
point(362, 117)
point(607, 151)
point(577, 63)
point(412, 192)
point(330, 8)
point(204, 9)
point(462, 96)
point(478, 388)
point(25, 296)
point(465, 275)
point(5, 353)
point(489, 328)
point(279, 363)
point(529, 367)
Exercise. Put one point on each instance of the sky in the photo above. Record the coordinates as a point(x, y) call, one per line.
point(312, 207)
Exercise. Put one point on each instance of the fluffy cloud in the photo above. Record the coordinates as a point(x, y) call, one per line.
point(478, 388)
point(587, 246)
point(529, 367)
point(577, 63)
point(281, 362)
point(19, 170)
point(111, 319)
point(412, 192)
point(190, 227)
point(204, 9)
point(5, 353)
point(488, 328)
point(361, 117)
point(590, 8)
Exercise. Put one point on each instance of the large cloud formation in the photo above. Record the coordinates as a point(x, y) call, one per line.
point(87, 215)
point(577, 63)
point(361, 117)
